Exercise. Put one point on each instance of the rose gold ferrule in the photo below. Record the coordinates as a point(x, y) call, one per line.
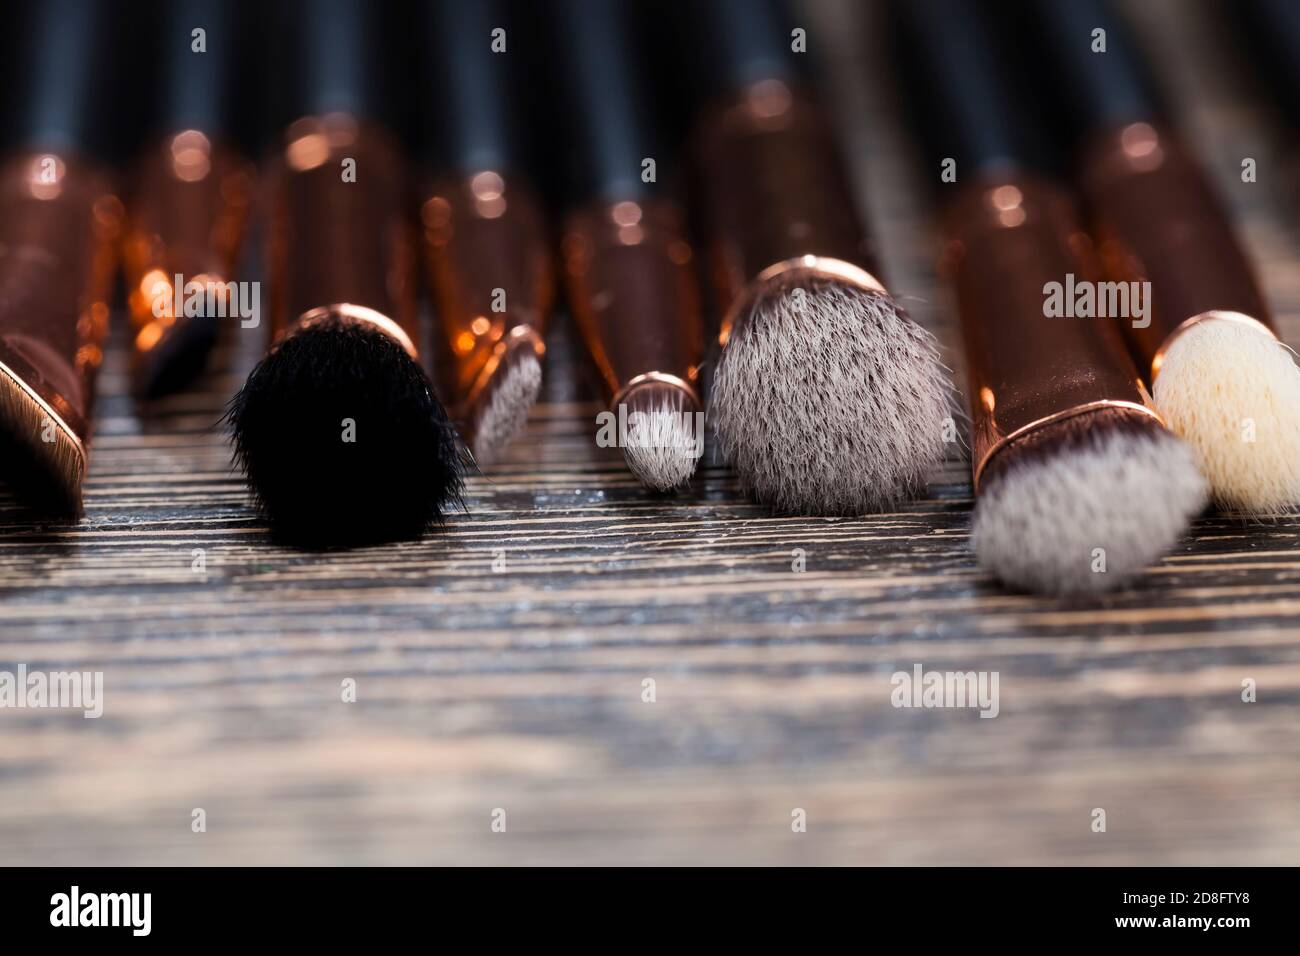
point(60, 224)
point(775, 192)
point(793, 274)
point(487, 255)
point(187, 216)
point(628, 266)
point(1009, 237)
point(1157, 219)
point(342, 242)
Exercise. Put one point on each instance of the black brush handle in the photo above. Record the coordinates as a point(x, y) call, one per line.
point(1271, 32)
point(741, 42)
point(470, 105)
point(963, 103)
point(1098, 90)
point(338, 57)
point(604, 88)
point(196, 87)
point(67, 75)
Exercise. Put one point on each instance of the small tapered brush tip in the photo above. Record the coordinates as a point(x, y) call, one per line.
point(342, 439)
point(829, 399)
point(504, 412)
point(665, 435)
point(1085, 504)
point(1232, 392)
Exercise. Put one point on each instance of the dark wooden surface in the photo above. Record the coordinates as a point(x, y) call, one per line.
point(521, 689)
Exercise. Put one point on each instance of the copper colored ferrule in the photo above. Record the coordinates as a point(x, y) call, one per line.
point(342, 242)
point(631, 283)
point(488, 258)
point(775, 190)
point(1009, 237)
point(795, 273)
point(188, 211)
point(1157, 219)
point(59, 228)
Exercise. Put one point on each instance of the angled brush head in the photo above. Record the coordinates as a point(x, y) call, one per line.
point(343, 440)
point(1232, 392)
point(1112, 479)
point(44, 461)
point(665, 449)
point(503, 410)
point(828, 399)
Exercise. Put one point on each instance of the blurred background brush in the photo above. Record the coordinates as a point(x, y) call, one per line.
point(1219, 375)
point(486, 243)
point(60, 222)
point(628, 261)
point(189, 202)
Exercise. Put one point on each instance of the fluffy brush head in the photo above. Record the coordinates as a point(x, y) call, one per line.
point(1112, 480)
point(506, 408)
point(665, 436)
point(343, 440)
point(828, 399)
point(1233, 393)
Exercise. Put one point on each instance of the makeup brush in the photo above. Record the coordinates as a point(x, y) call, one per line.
point(1079, 485)
point(188, 206)
point(338, 428)
point(826, 397)
point(486, 245)
point(1220, 377)
point(59, 226)
point(627, 260)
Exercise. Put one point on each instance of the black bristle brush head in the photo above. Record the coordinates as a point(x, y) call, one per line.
point(177, 360)
point(343, 441)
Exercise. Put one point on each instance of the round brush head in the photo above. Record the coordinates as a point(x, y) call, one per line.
point(1233, 393)
point(828, 399)
point(1083, 504)
point(665, 435)
point(342, 439)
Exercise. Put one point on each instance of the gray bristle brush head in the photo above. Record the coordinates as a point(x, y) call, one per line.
point(1084, 504)
point(828, 399)
point(665, 436)
point(506, 412)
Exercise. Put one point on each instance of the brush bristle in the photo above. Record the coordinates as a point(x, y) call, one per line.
point(828, 399)
point(40, 459)
point(665, 441)
point(1086, 503)
point(321, 386)
point(176, 360)
point(1233, 393)
point(506, 411)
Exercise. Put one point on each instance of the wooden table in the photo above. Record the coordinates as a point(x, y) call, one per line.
point(519, 687)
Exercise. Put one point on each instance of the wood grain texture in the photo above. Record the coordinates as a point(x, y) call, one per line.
point(521, 689)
